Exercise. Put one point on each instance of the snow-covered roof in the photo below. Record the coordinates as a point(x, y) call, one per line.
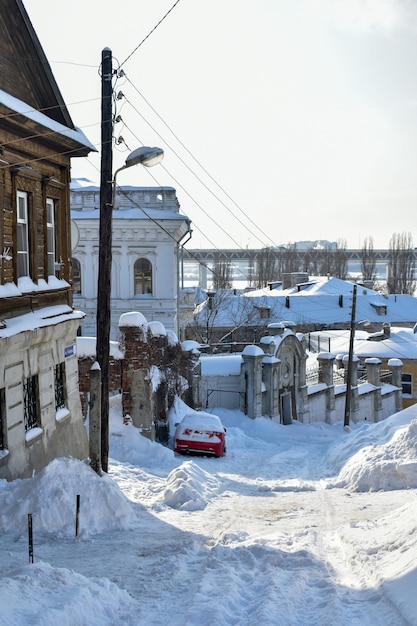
point(85, 184)
point(132, 214)
point(401, 343)
point(320, 301)
point(40, 318)
point(221, 365)
point(86, 347)
point(14, 104)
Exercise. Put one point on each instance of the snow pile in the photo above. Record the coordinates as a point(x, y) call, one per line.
point(63, 597)
point(387, 466)
point(51, 498)
point(127, 445)
point(189, 488)
point(258, 530)
point(363, 435)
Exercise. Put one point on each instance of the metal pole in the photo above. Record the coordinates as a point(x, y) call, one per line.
point(77, 517)
point(350, 359)
point(30, 537)
point(105, 248)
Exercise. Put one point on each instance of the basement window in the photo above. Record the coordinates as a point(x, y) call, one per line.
point(31, 415)
point(59, 386)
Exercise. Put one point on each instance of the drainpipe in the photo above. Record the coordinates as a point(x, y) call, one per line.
point(180, 259)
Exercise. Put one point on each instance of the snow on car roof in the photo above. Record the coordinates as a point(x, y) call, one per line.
point(203, 421)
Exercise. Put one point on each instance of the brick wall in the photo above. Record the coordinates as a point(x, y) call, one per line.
point(142, 348)
point(84, 367)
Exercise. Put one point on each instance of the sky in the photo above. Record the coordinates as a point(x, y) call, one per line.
point(280, 121)
point(295, 525)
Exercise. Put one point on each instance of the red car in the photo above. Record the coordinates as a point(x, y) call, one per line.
point(200, 433)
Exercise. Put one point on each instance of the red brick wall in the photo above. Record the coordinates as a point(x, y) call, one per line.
point(84, 367)
point(141, 351)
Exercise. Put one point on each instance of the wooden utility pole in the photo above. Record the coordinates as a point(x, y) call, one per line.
point(95, 418)
point(350, 359)
point(105, 247)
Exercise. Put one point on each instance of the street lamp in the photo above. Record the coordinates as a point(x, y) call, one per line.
point(145, 156)
point(148, 157)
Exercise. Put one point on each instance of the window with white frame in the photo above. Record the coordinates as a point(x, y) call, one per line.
point(22, 234)
point(50, 235)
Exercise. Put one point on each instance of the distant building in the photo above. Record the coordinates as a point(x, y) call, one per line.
point(389, 343)
point(148, 232)
point(40, 410)
point(307, 303)
point(270, 379)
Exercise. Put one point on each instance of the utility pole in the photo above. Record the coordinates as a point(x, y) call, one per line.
point(105, 247)
point(350, 359)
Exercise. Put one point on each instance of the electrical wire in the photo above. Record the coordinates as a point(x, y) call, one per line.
point(201, 166)
point(50, 108)
point(196, 176)
point(150, 33)
point(157, 223)
point(118, 74)
point(26, 162)
point(197, 204)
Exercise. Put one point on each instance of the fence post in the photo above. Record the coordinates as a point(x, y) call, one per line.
point(30, 537)
point(77, 518)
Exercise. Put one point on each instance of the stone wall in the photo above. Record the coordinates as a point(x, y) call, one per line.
point(272, 382)
point(150, 370)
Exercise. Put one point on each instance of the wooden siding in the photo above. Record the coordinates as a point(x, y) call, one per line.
point(33, 159)
point(22, 59)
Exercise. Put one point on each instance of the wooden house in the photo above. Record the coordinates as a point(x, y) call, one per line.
point(40, 415)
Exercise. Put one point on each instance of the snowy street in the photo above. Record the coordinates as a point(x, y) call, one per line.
point(298, 524)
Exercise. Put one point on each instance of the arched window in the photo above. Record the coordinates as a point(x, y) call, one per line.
point(143, 277)
point(76, 277)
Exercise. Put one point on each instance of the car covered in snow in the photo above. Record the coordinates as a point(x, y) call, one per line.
point(200, 433)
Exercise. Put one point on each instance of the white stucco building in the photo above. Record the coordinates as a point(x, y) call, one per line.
point(148, 232)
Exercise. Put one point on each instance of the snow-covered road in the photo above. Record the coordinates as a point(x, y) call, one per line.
point(262, 536)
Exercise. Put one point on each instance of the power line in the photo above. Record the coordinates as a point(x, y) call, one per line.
point(202, 167)
point(195, 174)
point(193, 200)
point(150, 33)
point(44, 109)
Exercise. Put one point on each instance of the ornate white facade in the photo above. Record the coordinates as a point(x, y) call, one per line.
point(148, 232)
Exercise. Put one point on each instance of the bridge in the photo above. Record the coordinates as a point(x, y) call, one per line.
point(197, 263)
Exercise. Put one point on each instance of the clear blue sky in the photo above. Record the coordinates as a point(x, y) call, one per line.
point(304, 111)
